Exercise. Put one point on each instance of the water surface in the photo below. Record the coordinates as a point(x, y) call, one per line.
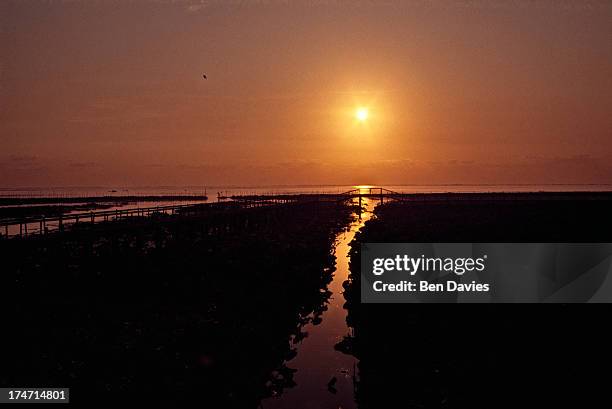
point(317, 362)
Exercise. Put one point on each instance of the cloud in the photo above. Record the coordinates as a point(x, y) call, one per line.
point(194, 8)
point(83, 165)
point(23, 158)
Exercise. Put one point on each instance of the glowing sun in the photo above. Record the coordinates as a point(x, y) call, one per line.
point(361, 114)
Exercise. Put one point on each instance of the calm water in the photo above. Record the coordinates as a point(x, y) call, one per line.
point(317, 362)
point(212, 191)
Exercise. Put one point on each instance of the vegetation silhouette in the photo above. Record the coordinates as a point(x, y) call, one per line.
point(467, 355)
point(169, 310)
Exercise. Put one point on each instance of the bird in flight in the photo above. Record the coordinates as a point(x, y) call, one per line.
point(204, 76)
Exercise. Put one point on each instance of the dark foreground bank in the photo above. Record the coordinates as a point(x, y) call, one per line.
point(182, 311)
point(461, 355)
point(208, 309)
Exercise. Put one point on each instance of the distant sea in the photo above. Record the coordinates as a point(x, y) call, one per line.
point(213, 191)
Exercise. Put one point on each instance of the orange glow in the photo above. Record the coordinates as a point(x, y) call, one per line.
point(406, 92)
point(362, 114)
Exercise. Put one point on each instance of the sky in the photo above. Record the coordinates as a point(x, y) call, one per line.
point(478, 92)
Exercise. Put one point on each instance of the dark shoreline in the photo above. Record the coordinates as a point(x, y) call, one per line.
point(15, 207)
point(53, 210)
point(6, 201)
point(443, 196)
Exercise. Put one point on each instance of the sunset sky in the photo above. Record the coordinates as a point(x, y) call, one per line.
point(111, 92)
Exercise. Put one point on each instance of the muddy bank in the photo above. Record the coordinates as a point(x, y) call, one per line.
point(477, 355)
point(14, 201)
point(52, 210)
point(205, 309)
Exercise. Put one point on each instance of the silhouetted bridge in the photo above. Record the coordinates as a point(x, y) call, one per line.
point(369, 192)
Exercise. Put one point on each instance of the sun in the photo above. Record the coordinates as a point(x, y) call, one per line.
point(361, 114)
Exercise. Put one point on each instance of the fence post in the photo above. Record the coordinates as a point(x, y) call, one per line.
point(360, 204)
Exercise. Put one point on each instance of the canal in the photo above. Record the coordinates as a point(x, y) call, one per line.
point(324, 376)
